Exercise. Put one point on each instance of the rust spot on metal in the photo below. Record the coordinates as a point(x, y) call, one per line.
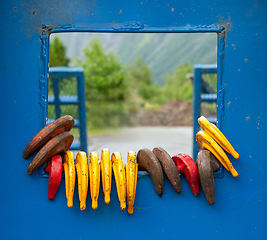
point(207, 164)
point(146, 159)
point(62, 124)
point(48, 29)
point(226, 23)
point(168, 167)
point(247, 118)
point(33, 12)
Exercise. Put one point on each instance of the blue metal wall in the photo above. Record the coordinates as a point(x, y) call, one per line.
point(240, 207)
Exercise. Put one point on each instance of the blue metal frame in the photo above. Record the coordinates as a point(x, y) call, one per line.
point(199, 97)
point(240, 209)
point(55, 73)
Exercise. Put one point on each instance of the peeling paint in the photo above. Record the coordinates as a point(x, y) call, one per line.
point(220, 83)
point(42, 91)
point(131, 26)
point(211, 27)
point(44, 46)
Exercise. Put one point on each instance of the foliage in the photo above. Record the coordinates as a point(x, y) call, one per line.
point(104, 75)
point(57, 57)
point(113, 90)
point(211, 79)
point(141, 87)
point(161, 51)
point(140, 83)
point(177, 85)
point(139, 74)
point(105, 84)
point(57, 54)
point(164, 51)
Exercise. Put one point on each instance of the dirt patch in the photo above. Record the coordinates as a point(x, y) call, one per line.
point(173, 113)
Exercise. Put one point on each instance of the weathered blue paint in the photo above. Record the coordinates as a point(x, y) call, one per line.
point(55, 73)
point(240, 203)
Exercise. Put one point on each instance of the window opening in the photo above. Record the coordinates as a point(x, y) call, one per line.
point(148, 108)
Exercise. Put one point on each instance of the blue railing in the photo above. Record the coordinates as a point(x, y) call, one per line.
point(200, 96)
point(56, 73)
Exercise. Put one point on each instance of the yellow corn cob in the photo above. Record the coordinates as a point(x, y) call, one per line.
point(206, 142)
point(131, 179)
point(119, 173)
point(94, 173)
point(69, 170)
point(106, 171)
point(82, 173)
point(217, 135)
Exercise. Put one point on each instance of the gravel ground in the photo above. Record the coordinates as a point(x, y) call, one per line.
point(172, 139)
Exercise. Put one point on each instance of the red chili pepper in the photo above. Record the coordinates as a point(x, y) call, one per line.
point(54, 168)
point(186, 165)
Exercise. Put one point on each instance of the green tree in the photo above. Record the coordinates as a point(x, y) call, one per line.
point(67, 86)
point(139, 78)
point(140, 73)
point(57, 58)
point(57, 54)
point(177, 85)
point(104, 74)
point(106, 88)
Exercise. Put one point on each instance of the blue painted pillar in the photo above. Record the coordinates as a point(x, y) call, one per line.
point(197, 108)
point(82, 112)
point(56, 94)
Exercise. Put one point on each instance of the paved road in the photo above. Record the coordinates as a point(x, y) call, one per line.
point(172, 139)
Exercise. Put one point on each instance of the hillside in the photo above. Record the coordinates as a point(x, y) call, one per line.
point(162, 52)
